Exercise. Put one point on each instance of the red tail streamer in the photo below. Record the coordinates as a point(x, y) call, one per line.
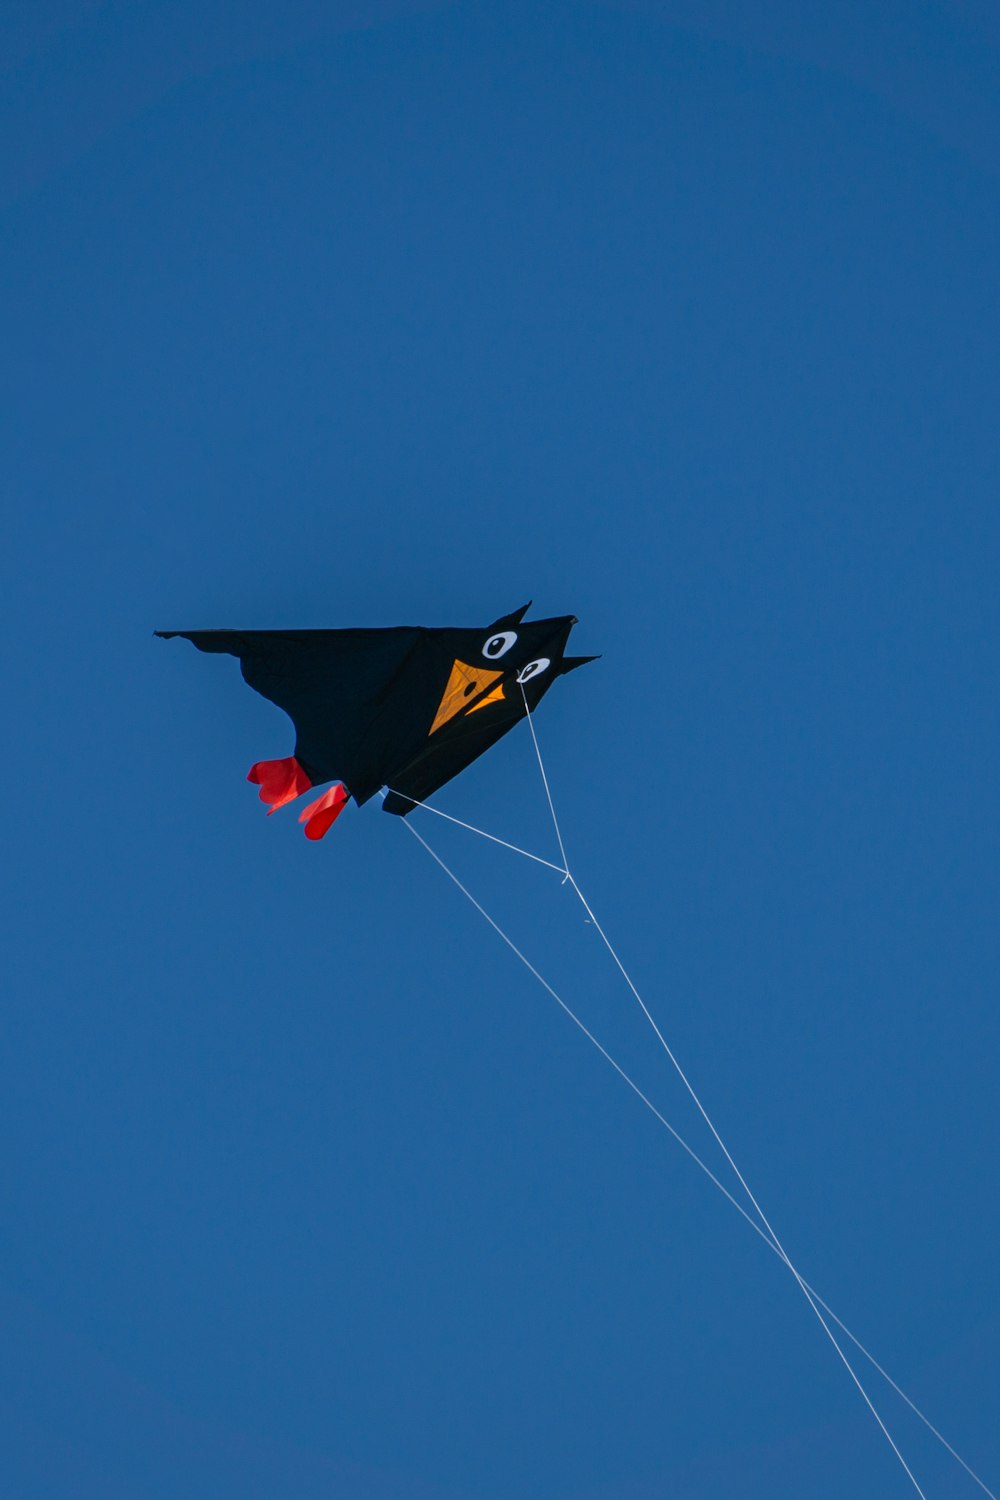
point(280, 781)
point(320, 815)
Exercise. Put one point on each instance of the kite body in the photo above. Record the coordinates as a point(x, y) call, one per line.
point(405, 708)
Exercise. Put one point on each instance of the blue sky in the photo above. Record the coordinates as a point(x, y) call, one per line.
point(683, 319)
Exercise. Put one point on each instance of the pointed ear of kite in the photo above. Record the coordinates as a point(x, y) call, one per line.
point(570, 663)
point(509, 621)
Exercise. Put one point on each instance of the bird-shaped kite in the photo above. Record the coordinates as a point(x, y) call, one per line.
point(405, 708)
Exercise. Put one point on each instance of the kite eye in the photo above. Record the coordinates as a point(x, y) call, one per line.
point(533, 668)
point(499, 645)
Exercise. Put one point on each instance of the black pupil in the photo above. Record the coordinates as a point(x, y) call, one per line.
point(494, 645)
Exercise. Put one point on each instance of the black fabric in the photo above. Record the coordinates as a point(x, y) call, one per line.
point(363, 702)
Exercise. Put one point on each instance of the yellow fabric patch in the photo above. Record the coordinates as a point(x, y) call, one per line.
point(495, 697)
point(464, 683)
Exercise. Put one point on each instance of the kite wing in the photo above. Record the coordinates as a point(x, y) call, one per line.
point(334, 685)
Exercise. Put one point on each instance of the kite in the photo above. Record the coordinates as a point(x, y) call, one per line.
point(400, 712)
point(405, 708)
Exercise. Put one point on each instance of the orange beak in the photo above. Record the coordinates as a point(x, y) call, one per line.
point(468, 688)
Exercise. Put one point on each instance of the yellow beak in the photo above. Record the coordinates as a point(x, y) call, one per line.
point(466, 690)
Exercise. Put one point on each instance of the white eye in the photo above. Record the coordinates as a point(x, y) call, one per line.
point(533, 668)
point(499, 645)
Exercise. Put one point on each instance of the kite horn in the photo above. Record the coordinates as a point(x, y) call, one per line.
point(509, 621)
point(570, 663)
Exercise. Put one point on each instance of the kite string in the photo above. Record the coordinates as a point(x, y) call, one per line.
point(704, 1113)
point(545, 783)
point(887, 1377)
point(701, 1164)
point(642, 1004)
point(514, 848)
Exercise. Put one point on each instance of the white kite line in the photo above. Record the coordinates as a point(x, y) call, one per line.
point(767, 1233)
point(514, 848)
point(770, 1242)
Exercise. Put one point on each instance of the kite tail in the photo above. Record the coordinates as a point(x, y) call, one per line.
point(281, 781)
point(320, 815)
